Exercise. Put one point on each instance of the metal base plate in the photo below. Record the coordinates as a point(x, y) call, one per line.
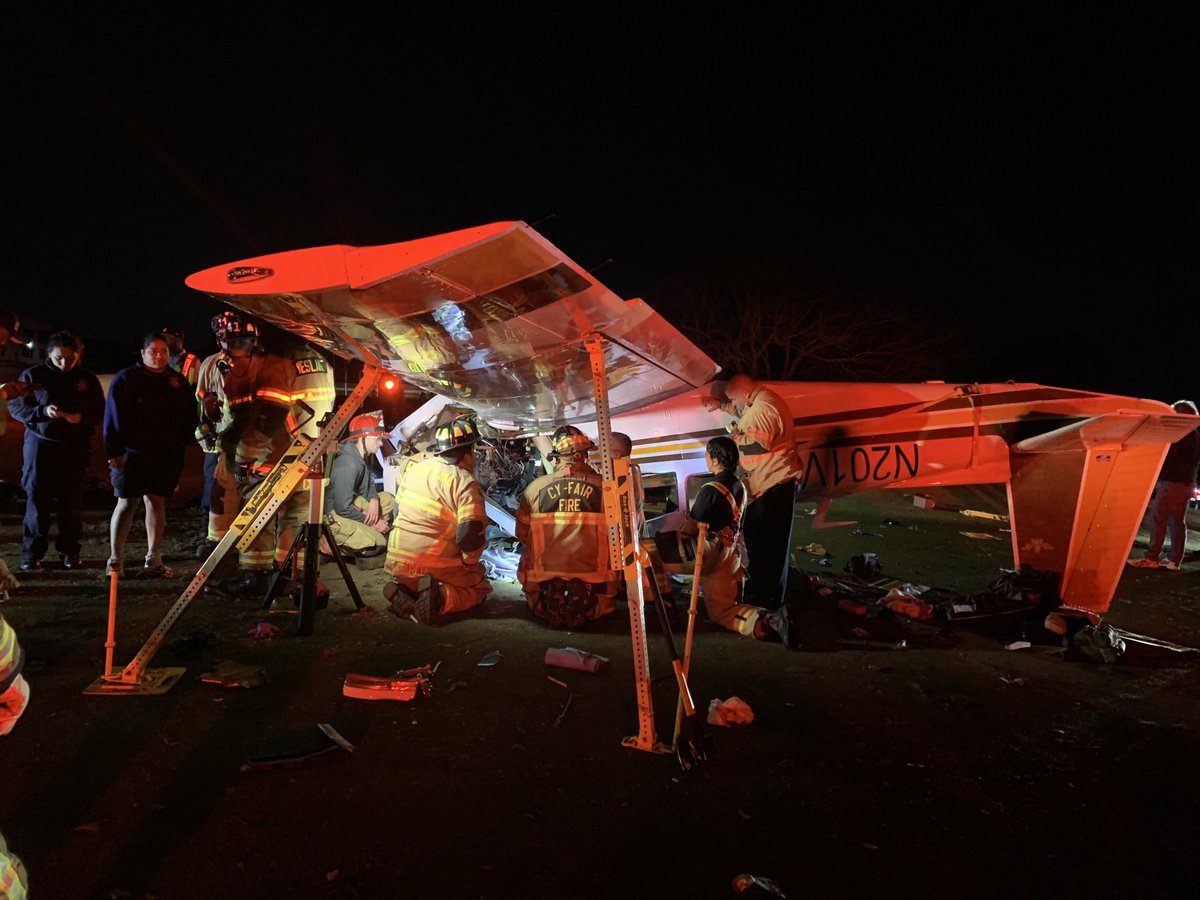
point(154, 681)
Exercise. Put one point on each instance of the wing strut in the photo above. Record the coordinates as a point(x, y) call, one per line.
point(624, 552)
point(259, 510)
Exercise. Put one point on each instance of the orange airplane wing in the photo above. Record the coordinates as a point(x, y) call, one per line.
point(492, 317)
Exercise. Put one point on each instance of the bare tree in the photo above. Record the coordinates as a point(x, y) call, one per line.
point(765, 326)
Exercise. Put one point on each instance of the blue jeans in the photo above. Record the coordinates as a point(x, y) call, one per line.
point(1168, 511)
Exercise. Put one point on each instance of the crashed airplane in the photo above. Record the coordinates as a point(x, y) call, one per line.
point(495, 319)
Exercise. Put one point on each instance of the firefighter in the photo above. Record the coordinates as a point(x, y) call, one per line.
point(181, 359)
point(312, 401)
point(214, 418)
point(565, 569)
point(359, 515)
point(622, 447)
point(437, 537)
point(720, 504)
point(258, 392)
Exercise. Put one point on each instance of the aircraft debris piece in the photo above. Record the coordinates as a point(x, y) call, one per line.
point(980, 536)
point(404, 685)
point(1099, 643)
point(332, 733)
point(296, 757)
point(1132, 637)
point(228, 673)
point(980, 514)
point(864, 565)
point(562, 714)
point(908, 604)
point(745, 881)
point(571, 658)
point(490, 659)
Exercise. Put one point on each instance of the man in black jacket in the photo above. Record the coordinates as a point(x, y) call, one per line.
point(60, 416)
point(1168, 510)
point(360, 515)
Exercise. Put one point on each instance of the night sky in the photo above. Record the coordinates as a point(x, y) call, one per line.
point(1031, 182)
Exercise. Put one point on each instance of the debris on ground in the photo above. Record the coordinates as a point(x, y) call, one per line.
point(332, 733)
point(980, 514)
point(862, 532)
point(228, 673)
point(864, 565)
point(1056, 623)
point(906, 600)
point(500, 559)
point(1099, 643)
point(1154, 642)
point(814, 549)
point(264, 630)
point(1018, 645)
point(296, 757)
point(563, 712)
point(571, 658)
point(981, 536)
point(734, 711)
point(491, 659)
point(745, 881)
point(404, 685)
point(923, 501)
point(1015, 680)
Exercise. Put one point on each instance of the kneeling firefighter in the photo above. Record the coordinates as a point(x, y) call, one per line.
point(720, 505)
point(437, 536)
point(565, 568)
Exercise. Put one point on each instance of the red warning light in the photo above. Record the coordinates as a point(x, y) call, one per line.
point(389, 384)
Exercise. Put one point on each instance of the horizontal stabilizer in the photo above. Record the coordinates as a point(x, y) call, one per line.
point(1077, 495)
point(1128, 427)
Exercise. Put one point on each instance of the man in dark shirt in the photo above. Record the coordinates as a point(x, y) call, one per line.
point(720, 505)
point(60, 417)
point(1168, 510)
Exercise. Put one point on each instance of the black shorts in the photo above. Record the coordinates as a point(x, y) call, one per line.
point(155, 472)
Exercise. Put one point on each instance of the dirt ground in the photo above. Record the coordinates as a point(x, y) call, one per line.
point(948, 766)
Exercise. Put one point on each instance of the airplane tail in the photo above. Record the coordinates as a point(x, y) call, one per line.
point(1076, 498)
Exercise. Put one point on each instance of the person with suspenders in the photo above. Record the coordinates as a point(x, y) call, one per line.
point(720, 504)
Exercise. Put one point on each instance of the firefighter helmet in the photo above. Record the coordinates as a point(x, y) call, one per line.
point(569, 440)
point(228, 324)
point(366, 425)
point(459, 433)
